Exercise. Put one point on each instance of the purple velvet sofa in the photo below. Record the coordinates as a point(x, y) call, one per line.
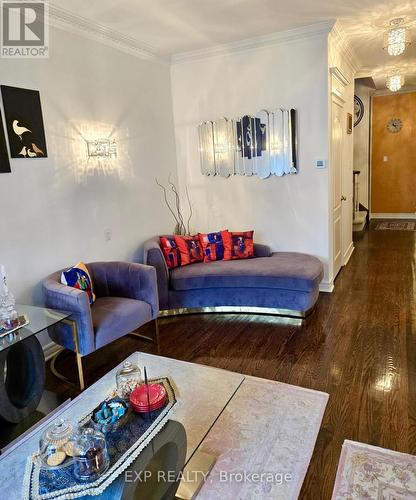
point(284, 283)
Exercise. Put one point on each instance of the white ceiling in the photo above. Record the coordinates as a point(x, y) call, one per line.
point(173, 26)
point(365, 33)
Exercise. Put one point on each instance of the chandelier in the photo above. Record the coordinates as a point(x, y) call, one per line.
point(395, 82)
point(396, 38)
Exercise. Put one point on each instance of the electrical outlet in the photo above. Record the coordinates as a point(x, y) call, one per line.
point(320, 164)
point(108, 234)
point(385, 159)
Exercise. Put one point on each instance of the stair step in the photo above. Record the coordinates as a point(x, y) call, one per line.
point(360, 219)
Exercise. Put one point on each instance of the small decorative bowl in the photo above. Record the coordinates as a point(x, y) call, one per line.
point(110, 414)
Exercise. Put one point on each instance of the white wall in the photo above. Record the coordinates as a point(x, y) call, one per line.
point(51, 212)
point(362, 144)
point(289, 213)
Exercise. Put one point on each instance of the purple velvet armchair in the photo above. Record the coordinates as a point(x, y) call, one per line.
point(127, 298)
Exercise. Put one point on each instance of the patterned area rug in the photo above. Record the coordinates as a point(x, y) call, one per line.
point(396, 226)
point(367, 472)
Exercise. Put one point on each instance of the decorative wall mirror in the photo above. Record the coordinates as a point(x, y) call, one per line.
point(224, 147)
point(263, 124)
point(263, 145)
point(206, 147)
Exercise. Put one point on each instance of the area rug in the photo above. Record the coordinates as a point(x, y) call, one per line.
point(368, 472)
point(263, 442)
point(396, 226)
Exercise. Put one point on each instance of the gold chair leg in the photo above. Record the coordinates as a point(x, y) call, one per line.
point(65, 379)
point(155, 339)
point(157, 335)
point(74, 328)
point(80, 372)
point(79, 360)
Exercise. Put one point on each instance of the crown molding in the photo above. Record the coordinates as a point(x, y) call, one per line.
point(247, 44)
point(342, 43)
point(340, 75)
point(78, 25)
point(405, 90)
point(73, 23)
point(365, 72)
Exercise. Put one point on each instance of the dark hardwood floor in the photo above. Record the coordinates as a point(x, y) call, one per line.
point(359, 346)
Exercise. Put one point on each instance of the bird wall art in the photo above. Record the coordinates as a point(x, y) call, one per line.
point(24, 122)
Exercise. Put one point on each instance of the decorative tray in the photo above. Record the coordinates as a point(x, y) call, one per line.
point(124, 445)
point(22, 321)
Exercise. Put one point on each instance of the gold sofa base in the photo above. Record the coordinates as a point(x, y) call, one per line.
point(287, 316)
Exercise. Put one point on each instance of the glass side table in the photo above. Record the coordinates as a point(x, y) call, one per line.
point(23, 363)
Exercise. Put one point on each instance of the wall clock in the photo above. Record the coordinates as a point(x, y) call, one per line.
point(358, 110)
point(394, 125)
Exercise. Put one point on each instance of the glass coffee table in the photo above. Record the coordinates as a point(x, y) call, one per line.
point(23, 363)
point(223, 424)
point(202, 394)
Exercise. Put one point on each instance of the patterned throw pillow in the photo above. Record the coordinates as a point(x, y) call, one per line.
point(79, 277)
point(213, 246)
point(242, 245)
point(171, 252)
point(190, 249)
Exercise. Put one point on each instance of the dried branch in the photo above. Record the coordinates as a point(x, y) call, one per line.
point(190, 210)
point(167, 201)
point(182, 228)
point(176, 210)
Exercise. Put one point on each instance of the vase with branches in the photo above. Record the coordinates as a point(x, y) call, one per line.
point(173, 203)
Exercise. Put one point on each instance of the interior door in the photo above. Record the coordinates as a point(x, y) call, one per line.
point(336, 165)
point(393, 166)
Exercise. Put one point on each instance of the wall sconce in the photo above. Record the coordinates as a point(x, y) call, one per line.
point(102, 148)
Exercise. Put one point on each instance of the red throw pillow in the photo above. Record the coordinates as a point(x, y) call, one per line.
point(213, 246)
point(171, 252)
point(242, 245)
point(190, 249)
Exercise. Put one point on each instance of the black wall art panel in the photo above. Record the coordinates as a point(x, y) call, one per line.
point(4, 155)
point(251, 136)
point(24, 122)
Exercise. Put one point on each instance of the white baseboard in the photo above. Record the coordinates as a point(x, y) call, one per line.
point(393, 216)
point(326, 286)
point(51, 349)
point(348, 253)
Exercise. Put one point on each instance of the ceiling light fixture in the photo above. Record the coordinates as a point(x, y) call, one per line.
point(395, 82)
point(397, 37)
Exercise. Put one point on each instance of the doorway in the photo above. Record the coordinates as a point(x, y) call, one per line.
point(393, 165)
point(336, 161)
point(341, 175)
